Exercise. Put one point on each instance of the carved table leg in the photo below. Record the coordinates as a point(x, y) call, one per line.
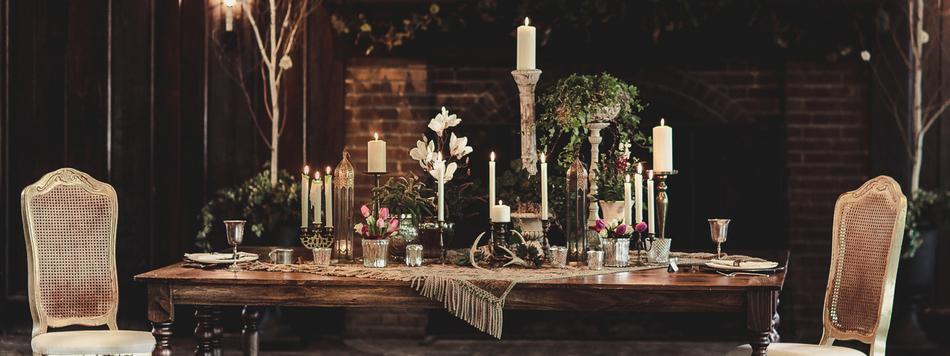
point(252, 317)
point(161, 313)
point(204, 331)
point(760, 309)
point(774, 337)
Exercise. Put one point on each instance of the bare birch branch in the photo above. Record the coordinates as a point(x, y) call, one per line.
point(257, 33)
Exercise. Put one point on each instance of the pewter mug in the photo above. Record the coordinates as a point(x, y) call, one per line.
point(283, 256)
point(718, 230)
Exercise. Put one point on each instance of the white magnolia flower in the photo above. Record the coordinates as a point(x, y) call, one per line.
point(458, 146)
point(438, 166)
point(358, 228)
point(423, 152)
point(443, 121)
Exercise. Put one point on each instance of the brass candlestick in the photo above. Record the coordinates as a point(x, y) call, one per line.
point(527, 79)
point(662, 201)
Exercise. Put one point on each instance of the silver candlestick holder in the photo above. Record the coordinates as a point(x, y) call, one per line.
point(527, 80)
point(662, 201)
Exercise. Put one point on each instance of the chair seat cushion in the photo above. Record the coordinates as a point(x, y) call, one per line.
point(790, 349)
point(93, 342)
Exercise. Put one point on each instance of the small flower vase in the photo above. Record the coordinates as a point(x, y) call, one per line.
point(616, 252)
point(375, 253)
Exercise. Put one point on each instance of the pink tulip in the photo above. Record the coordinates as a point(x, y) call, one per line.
point(383, 213)
point(641, 227)
point(599, 225)
point(365, 210)
point(380, 223)
point(393, 225)
point(621, 229)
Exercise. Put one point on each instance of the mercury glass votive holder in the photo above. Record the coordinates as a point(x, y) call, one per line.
point(375, 253)
point(414, 255)
point(595, 260)
point(559, 256)
point(321, 256)
point(616, 252)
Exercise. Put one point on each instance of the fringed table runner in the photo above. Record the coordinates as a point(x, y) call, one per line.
point(474, 295)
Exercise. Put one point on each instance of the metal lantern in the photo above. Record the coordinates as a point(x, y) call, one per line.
point(575, 227)
point(343, 190)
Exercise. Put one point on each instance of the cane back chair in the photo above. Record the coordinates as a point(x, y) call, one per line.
point(865, 250)
point(69, 223)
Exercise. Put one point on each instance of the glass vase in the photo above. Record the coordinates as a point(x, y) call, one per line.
point(616, 252)
point(408, 234)
point(375, 253)
point(343, 205)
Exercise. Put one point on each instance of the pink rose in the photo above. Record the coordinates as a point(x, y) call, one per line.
point(393, 225)
point(641, 227)
point(365, 210)
point(621, 229)
point(383, 213)
point(599, 225)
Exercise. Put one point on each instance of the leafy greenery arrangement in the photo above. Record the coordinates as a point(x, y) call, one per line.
point(514, 182)
point(926, 210)
point(573, 102)
point(264, 207)
point(407, 195)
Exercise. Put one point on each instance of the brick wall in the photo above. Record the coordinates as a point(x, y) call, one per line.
point(823, 107)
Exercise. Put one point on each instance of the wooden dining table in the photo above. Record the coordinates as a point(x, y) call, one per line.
point(654, 290)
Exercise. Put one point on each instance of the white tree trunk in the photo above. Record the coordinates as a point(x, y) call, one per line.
point(274, 92)
point(916, 52)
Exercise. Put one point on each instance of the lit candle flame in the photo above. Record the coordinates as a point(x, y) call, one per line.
point(229, 3)
point(376, 136)
point(328, 170)
point(492, 156)
point(526, 21)
point(542, 158)
point(306, 169)
point(639, 168)
point(662, 122)
point(628, 178)
point(650, 174)
point(500, 202)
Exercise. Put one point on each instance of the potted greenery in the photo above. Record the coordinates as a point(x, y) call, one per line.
point(410, 200)
point(269, 210)
point(572, 103)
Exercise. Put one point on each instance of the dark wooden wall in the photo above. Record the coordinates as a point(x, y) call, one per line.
point(133, 93)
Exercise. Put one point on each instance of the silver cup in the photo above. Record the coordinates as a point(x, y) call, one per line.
point(718, 229)
point(559, 256)
point(595, 260)
point(235, 232)
point(283, 256)
point(414, 255)
point(321, 256)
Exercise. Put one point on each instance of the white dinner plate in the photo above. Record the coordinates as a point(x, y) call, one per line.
point(220, 258)
point(745, 266)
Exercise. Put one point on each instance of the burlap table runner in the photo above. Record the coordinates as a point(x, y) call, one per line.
point(476, 296)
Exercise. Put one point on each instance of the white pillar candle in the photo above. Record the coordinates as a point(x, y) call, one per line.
point(491, 181)
point(544, 188)
point(316, 197)
point(526, 46)
point(650, 213)
point(501, 213)
point(638, 194)
point(376, 155)
point(229, 15)
point(328, 191)
point(627, 203)
point(441, 189)
point(304, 195)
point(663, 147)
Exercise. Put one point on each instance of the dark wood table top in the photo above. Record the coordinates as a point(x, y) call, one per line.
point(654, 279)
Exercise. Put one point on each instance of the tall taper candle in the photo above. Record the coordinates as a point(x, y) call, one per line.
point(663, 147)
point(638, 194)
point(491, 181)
point(328, 192)
point(650, 212)
point(441, 189)
point(316, 197)
point(526, 46)
point(229, 15)
point(544, 188)
point(304, 195)
point(376, 155)
point(627, 203)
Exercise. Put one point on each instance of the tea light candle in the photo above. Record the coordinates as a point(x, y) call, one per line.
point(501, 213)
point(526, 46)
point(376, 155)
point(328, 191)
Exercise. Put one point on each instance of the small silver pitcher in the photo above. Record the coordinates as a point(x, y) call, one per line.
point(282, 256)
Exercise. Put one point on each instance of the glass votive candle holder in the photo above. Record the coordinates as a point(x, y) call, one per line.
point(414, 255)
point(321, 256)
point(559, 256)
point(595, 260)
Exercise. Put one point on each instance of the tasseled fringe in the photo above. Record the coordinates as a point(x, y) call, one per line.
point(467, 302)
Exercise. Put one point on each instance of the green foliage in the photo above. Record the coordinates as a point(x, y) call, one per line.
point(407, 195)
point(264, 207)
point(571, 103)
point(926, 210)
point(523, 192)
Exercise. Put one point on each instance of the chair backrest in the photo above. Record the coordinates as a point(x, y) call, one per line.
point(866, 244)
point(69, 222)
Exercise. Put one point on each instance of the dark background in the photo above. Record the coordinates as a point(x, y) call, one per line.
point(132, 93)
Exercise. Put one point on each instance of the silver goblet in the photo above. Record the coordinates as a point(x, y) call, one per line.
point(718, 229)
point(235, 232)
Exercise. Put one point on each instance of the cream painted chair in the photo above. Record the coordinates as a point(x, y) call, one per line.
point(69, 222)
point(865, 249)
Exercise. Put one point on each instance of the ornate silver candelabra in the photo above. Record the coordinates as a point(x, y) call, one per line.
point(527, 79)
